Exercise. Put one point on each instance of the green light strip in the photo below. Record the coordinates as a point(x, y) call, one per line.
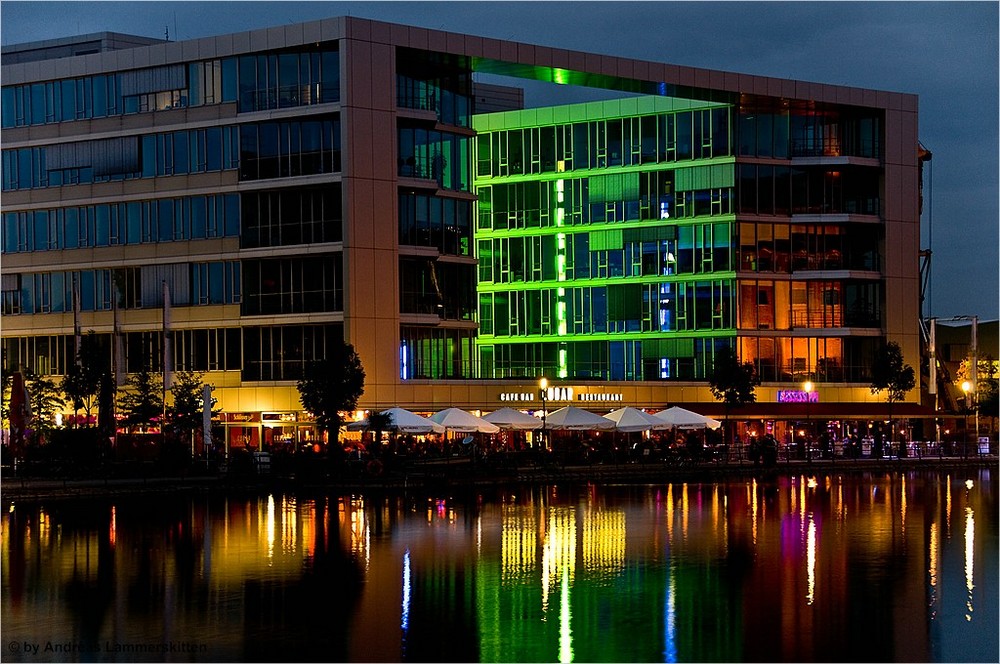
point(563, 369)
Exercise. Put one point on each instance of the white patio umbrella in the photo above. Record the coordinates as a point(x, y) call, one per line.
point(508, 418)
point(462, 421)
point(572, 418)
point(630, 419)
point(403, 421)
point(683, 418)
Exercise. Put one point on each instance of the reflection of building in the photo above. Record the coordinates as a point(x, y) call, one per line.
point(281, 189)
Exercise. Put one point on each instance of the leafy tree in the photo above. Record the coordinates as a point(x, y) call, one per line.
point(45, 399)
point(7, 381)
point(732, 382)
point(332, 385)
point(185, 415)
point(141, 402)
point(82, 383)
point(891, 374)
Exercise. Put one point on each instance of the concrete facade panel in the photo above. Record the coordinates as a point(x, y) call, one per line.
point(359, 138)
point(508, 51)
point(526, 53)
point(383, 64)
point(775, 88)
point(332, 29)
point(241, 42)
point(360, 67)
point(491, 48)
point(437, 41)
point(455, 43)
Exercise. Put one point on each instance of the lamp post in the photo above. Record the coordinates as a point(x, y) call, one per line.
point(807, 387)
point(544, 385)
point(967, 388)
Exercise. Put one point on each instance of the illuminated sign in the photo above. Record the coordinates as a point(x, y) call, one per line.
point(797, 396)
point(598, 396)
point(559, 393)
point(517, 396)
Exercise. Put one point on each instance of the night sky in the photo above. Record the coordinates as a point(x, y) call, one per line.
point(945, 52)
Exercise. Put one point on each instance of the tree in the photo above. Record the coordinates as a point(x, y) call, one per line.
point(187, 411)
point(732, 382)
point(332, 385)
point(141, 402)
point(82, 383)
point(891, 374)
point(45, 401)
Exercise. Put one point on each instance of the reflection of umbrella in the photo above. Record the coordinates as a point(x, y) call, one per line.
point(508, 418)
point(456, 419)
point(686, 419)
point(403, 421)
point(632, 419)
point(576, 419)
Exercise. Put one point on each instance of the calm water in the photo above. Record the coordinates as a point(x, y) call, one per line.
point(881, 567)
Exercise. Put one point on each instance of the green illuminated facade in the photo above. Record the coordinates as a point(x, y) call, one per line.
point(605, 239)
point(631, 239)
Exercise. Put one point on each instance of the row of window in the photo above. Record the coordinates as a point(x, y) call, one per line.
point(257, 82)
point(260, 353)
point(292, 216)
point(783, 190)
point(269, 219)
point(436, 353)
point(427, 286)
point(430, 221)
point(289, 149)
point(215, 282)
point(610, 309)
point(429, 154)
point(425, 83)
point(785, 248)
point(630, 252)
point(646, 359)
point(111, 224)
point(827, 359)
point(293, 285)
point(614, 198)
point(767, 130)
point(260, 151)
point(605, 143)
point(788, 305)
point(263, 286)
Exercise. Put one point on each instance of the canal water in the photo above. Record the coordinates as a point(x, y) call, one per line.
point(855, 567)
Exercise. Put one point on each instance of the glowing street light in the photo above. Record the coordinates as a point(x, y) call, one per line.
point(807, 387)
point(544, 385)
point(967, 388)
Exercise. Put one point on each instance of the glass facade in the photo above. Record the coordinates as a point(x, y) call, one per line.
point(263, 81)
point(607, 247)
point(631, 247)
point(259, 218)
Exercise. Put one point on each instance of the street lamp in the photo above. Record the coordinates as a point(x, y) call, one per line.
point(967, 388)
point(807, 387)
point(543, 384)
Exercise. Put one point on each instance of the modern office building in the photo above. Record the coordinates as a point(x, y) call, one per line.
point(235, 204)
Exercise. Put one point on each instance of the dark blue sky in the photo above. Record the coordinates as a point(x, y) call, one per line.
point(945, 52)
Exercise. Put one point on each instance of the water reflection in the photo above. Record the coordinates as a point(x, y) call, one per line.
point(802, 568)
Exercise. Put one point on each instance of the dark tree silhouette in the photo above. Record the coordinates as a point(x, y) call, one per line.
point(332, 385)
point(891, 374)
point(732, 382)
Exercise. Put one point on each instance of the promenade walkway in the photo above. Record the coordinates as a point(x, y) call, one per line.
point(458, 472)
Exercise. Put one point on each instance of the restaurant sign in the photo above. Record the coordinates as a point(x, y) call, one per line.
point(797, 396)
